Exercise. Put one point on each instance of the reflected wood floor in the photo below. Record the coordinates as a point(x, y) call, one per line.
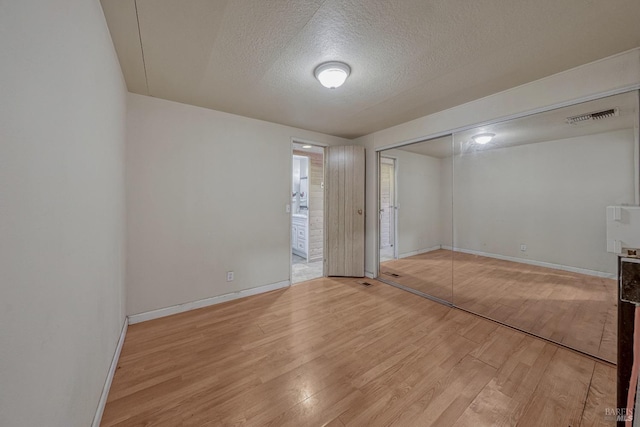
point(334, 352)
point(575, 309)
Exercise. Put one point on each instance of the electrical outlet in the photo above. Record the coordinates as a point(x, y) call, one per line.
point(229, 276)
point(523, 248)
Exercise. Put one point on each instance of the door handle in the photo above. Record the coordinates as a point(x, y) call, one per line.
point(359, 211)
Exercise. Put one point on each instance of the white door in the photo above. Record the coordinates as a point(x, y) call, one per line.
point(345, 211)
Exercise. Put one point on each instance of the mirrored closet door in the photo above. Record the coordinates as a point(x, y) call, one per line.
point(530, 198)
point(508, 220)
point(415, 217)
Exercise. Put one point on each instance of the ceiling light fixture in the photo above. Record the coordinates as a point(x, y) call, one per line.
point(332, 74)
point(483, 138)
point(306, 146)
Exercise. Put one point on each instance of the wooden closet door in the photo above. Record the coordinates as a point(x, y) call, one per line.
point(345, 211)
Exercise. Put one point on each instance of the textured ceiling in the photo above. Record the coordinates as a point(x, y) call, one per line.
point(408, 58)
point(542, 127)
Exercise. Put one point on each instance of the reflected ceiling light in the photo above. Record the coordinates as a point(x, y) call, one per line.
point(332, 74)
point(483, 138)
point(306, 146)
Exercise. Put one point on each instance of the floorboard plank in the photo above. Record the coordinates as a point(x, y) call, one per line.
point(333, 352)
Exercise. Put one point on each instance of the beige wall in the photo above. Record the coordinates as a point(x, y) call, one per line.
point(62, 131)
point(206, 194)
point(609, 74)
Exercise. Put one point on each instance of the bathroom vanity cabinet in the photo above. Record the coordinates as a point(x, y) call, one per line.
point(299, 233)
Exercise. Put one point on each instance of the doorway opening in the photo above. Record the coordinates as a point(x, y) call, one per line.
point(388, 209)
point(307, 213)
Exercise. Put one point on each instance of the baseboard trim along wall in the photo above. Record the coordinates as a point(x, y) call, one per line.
point(419, 251)
point(588, 272)
point(187, 306)
point(112, 370)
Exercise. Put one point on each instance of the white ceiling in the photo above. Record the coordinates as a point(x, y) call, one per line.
point(548, 126)
point(409, 58)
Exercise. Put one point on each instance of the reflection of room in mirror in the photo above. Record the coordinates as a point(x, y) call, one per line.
point(514, 228)
point(387, 254)
point(570, 308)
point(574, 309)
point(423, 224)
point(428, 273)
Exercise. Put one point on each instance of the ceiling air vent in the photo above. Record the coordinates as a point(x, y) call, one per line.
point(598, 115)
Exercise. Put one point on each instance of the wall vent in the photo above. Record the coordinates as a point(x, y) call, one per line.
point(598, 115)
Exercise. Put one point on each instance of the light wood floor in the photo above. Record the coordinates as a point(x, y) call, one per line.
point(334, 352)
point(577, 310)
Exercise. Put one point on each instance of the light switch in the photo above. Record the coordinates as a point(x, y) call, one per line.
point(287, 208)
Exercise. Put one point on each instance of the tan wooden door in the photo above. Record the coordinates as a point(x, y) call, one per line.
point(345, 211)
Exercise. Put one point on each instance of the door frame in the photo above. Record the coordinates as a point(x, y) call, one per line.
point(295, 140)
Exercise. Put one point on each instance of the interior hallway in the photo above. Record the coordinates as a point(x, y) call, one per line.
point(301, 270)
point(335, 352)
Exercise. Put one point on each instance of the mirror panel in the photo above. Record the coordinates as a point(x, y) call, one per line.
point(529, 210)
point(415, 217)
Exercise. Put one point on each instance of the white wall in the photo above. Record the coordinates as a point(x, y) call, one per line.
point(551, 196)
point(446, 201)
point(418, 200)
point(618, 72)
point(206, 194)
point(62, 130)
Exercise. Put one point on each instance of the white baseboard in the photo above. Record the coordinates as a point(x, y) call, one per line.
point(187, 306)
point(112, 370)
point(536, 263)
point(137, 318)
point(369, 274)
point(419, 251)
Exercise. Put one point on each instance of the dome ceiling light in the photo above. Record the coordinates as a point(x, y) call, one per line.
point(483, 138)
point(332, 74)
